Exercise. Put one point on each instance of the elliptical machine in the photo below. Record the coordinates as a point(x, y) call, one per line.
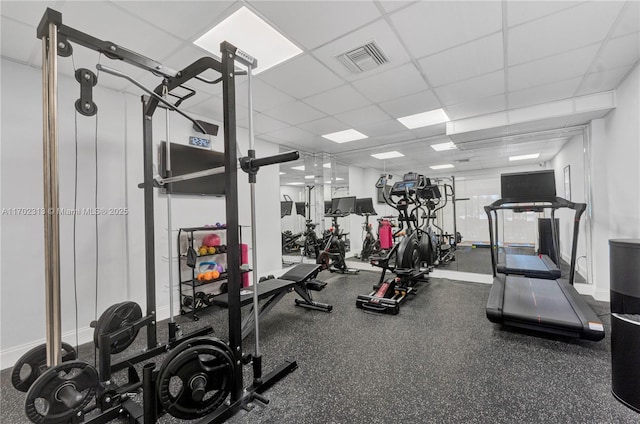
point(407, 257)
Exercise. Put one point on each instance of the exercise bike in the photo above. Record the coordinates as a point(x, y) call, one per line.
point(370, 245)
point(412, 258)
point(332, 257)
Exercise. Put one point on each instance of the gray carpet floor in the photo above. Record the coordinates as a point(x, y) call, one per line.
point(439, 361)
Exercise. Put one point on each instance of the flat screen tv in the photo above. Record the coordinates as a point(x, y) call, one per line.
point(185, 160)
point(528, 186)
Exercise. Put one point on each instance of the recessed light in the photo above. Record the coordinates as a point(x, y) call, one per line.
point(445, 166)
point(298, 168)
point(309, 177)
point(443, 146)
point(524, 157)
point(248, 32)
point(388, 155)
point(345, 136)
point(424, 119)
point(295, 183)
point(327, 165)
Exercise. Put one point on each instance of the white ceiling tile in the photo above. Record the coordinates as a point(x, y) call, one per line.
point(301, 77)
point(411, 104)
point(291, 134)
point(312, 23)
point(629, 20)
point(380, 128)
point(563, 31)
point(338, 100)
point(98, 18)
point(294, 113)
point(545, 93)
point(391, 84)
point(322, 126)
point(618, 52)
point(378, 31)
point(265, 97)
point(210, 107)
point(263, 124)
point(477, 107)
point(391, 5)
point(432, 26)
point(552, 69)
point(184, 19)
point(28, 12)
point(472, 89)
point(17, 40)
point(430, 131)
point(523, 11)
point(466, 61)
point(603, 81)
point(362, 116)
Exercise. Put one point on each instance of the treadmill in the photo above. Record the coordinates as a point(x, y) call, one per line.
point(524, 294)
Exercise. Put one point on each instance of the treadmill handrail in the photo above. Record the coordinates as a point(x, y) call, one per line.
point(550, 203)
point(538, 203)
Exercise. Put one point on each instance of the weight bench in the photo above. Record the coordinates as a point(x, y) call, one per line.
point(273, 290)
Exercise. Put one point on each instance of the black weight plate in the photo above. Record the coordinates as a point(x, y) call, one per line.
point(208, 363)
point(197, 341)
point(116, 317)
point(50, 409)
point(36, 360)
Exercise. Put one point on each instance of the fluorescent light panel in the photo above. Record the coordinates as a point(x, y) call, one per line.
point(424, 119)
point(525, 157)
point(295, 183)
point(282, 173)
point(298, 168)
point(388, 155)
point(309, 177)
point(245, 30)
point(327, 165)
point(345, 136)
point(443, 146)
point(444, 166)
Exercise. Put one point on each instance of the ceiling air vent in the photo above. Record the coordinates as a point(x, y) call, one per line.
point(364, 58)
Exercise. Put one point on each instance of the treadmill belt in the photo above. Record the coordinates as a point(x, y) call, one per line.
point(541, 301)
point(534, 266)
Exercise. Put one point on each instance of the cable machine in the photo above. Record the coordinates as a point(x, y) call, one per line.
point(211, 370)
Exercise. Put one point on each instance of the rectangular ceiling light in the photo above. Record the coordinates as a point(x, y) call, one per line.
point(388, 155)
point(327, 165)
point(445, 166)
point(309, 177)
point(345, 136)
point(282, 173)
point(424, 119)
point(443, 146)
point(525, 157)
point(295, 183)
point(298, 168)
point(339, 179)
point(248, 32)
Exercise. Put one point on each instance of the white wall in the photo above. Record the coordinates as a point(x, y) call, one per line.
point(572, 155)
point(615, 177)
point(121, 238)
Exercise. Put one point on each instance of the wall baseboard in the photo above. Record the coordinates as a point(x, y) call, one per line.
point(8, 357)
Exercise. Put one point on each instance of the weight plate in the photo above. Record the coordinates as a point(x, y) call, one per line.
point(33, 363)
point(116, 317)
point(197, 341)
point(195, 382)
point(48, 400)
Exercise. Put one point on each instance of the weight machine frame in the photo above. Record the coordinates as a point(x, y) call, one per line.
point(56, 38)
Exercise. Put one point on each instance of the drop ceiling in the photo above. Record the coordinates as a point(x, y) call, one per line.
point(472, 59)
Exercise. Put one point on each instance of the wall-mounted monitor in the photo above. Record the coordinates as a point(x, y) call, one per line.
point(529, 186)
point(343, 205)
point(185, 160)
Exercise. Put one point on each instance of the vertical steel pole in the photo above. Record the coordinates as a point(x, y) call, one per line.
point(170, 254)
point(51, 196)
point(254, 243)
